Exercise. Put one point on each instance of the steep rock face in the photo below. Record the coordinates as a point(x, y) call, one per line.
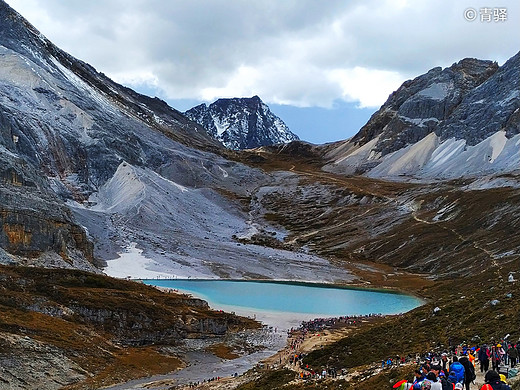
point(75, 124)
point(417, 107)
point(35, 221)
point(19, 36)
point(241, 123)
point(65, 129)
point(459, 121)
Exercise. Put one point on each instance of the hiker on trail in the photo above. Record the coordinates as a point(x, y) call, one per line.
point(483, 358)
point(471, 356)
point(441, 377)
point(493, 382)
point(426, 385)
point(495, 357)
point(513, 355)
point(425, 369)
point(434, 384)
point(444, 362)
point(502, 353)
point(419, 378)
point(456, 372)
point(469, 371)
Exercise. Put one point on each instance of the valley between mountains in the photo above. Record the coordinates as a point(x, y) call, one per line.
point(100, 184)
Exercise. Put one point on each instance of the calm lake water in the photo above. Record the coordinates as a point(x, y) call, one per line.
point(281, 297)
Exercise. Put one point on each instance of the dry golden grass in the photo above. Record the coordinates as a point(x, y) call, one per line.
point(131, 363)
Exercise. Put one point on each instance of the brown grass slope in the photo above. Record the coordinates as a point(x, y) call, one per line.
point(466, 240)
point(443, 228)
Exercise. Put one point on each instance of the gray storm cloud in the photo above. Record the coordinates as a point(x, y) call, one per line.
point(303, 53)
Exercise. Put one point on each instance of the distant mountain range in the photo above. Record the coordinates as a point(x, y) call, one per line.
point(242, 123)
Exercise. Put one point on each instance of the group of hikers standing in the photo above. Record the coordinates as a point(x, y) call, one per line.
point(457, 374)
point(497, 355)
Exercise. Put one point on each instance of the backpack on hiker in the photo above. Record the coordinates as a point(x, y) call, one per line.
point(471, 374)
point(457, 371)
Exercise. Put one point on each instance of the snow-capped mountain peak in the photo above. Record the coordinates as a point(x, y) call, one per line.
point(241, 123)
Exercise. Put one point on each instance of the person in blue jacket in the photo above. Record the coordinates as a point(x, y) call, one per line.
point(456, 371)
point(419, 378)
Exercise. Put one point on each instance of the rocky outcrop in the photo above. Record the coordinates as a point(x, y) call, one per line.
point(460, 121)
point(419, 105)
point(242, 123)
point(35, 221)
point(61, 326)
point(28, 364)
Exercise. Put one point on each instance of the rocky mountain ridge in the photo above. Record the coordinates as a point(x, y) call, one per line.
point(133, 176)
point(459, 121)
point(241, 123)
point(65, 129)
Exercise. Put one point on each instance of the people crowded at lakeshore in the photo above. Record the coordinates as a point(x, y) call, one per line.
point(457, 368)
point(450, 369)
point(319, 324)
point(440, 370)
point(436, 370)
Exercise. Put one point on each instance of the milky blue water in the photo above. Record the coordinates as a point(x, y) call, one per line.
point(318, 299)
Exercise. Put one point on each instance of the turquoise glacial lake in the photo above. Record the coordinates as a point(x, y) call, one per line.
point(309, 299)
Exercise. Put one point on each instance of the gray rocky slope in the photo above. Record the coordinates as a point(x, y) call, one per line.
point(459, 121)
point(242, 123)
point(87, 160)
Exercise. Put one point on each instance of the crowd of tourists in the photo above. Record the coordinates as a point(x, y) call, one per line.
point(319, 324)
point(196, 384)
point(456, 369)
point(449, 370)
point(296, 336)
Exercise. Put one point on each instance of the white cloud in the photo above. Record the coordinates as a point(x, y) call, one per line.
point(369, 87)
point(242, 83)
point(298, 52)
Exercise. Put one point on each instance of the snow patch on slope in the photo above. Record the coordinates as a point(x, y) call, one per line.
point(437, 91)
point(497, 143)
point(354, 158)
point(421, 122)
point(133, 264)
point(407, 160)
point(446, 151)
point(452, 158)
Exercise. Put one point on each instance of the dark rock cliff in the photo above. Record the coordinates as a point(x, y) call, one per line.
point(420, 105)
point(461, 121)
point(34, 220)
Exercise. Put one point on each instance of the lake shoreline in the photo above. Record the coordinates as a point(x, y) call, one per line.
point(305, 283)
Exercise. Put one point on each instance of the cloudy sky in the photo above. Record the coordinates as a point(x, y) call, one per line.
point(323, 66)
